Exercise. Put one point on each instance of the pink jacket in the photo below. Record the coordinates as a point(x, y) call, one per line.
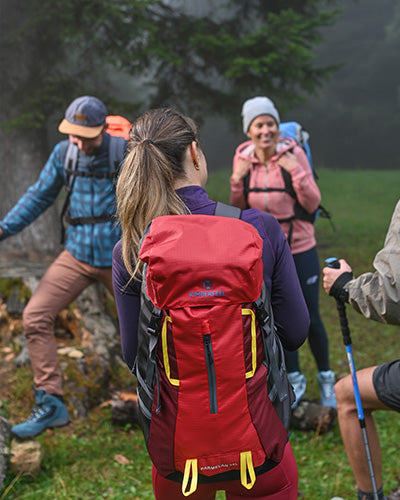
point(280, 204)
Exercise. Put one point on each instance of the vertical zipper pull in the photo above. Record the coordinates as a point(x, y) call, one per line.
point(209, 357)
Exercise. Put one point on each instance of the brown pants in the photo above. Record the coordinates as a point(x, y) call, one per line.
point(65, 279)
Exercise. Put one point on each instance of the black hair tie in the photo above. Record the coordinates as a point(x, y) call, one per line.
point(149, 141)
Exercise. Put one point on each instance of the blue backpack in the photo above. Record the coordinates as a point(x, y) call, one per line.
point(295, 131)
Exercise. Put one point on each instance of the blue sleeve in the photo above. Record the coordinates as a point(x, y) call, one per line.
point(37, 198)
point(127, 300)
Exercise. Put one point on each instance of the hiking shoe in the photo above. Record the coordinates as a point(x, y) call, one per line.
point(326, 381)
point(311, 416)
point(48, 413)
point(299, 383)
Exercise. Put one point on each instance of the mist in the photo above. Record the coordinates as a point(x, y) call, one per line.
point(354, 121)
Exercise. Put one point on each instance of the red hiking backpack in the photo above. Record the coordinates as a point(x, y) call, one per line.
point(118, 126)
point(213, 393)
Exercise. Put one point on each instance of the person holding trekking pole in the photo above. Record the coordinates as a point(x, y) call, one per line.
point(164, 174)
point(376, 295)
point(86, 258)
point(272, 173)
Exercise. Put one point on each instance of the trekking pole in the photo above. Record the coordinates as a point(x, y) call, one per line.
point(344, 324)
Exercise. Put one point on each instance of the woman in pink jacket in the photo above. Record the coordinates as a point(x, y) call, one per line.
point(273, 174)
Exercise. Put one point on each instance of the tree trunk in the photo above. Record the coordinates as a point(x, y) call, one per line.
point(23, 149)
point(22, 159)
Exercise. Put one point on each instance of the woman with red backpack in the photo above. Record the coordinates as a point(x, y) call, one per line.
point(164, 174)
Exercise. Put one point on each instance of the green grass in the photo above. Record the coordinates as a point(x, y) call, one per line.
point(80, 460)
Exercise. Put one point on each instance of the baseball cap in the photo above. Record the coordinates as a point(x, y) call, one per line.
point(84, 117)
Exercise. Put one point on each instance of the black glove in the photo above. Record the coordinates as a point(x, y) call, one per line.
point(339, 289)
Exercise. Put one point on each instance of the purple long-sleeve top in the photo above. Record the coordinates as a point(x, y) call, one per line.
point(290, 311)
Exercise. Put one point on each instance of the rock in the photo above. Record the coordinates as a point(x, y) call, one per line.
point(23, 357)
point(14, 303)
point(76, 354)
point(89, 346)
point(26, 457)
point(87, 371)
point(311, 416)
point(124, 408)
point(5, 428)
point(71, 352)
point(31, 282)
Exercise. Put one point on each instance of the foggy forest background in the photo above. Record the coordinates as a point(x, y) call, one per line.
point(330, 64)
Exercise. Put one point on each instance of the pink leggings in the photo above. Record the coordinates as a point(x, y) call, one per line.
point(64, 280)
point(280, 483)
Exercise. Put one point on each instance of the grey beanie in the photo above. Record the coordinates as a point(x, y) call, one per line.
point(255, 107)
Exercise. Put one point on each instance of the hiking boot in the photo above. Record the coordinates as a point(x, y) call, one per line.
point(49, 412)
point(311, 416)
point(370, 495)
point(299, 383)
point(326, 381)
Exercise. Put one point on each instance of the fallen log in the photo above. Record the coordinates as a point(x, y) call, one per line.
point(5, 428)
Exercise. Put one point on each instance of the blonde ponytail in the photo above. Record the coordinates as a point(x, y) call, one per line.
point(145, 188)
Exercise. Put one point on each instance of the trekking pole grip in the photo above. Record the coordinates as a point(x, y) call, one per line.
point(344, 324)
point(333, 262)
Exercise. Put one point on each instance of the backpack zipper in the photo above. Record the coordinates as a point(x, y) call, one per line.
point(212, 381)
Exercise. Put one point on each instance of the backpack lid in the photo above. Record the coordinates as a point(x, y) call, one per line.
point(118, 126)
point(201, 260)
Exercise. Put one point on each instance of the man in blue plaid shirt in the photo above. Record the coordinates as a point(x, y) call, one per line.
point(86, 258)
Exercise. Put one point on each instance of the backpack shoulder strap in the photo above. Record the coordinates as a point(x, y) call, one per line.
point(116, 152)
point(71, 153)
point(224, 210)
point(246, 183)
point(70, 164)
point(287, 179)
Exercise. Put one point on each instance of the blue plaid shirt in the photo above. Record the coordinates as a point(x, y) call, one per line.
point(91, 197)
